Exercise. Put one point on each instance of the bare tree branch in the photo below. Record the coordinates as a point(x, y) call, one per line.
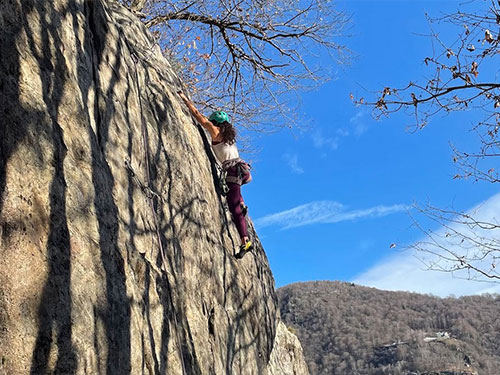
point(248, 56)
point(465, 77)
point(463, 243)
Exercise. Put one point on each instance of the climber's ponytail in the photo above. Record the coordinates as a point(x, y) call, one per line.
point(227, 130)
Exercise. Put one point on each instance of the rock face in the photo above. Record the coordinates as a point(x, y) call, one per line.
point(287, 357)
point(116, 251)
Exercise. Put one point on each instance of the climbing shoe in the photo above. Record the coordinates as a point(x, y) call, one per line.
point(244, 248)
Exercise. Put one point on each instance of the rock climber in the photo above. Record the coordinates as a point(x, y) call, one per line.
point(223, 136)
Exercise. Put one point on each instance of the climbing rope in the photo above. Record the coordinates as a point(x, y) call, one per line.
point(150, 195)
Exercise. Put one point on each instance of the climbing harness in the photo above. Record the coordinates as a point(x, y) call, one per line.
point(244, 172)
point(243, 175)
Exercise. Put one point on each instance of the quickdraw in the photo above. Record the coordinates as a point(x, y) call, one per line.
point(222, 176)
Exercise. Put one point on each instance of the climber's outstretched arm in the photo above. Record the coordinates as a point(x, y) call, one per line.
point(213, 130)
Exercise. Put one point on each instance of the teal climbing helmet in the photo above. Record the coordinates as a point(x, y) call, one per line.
point(219, 117)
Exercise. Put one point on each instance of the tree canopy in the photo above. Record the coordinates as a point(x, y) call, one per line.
point(248, 56)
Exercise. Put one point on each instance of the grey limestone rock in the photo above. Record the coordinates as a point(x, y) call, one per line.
point(287, 357)
point(117, 256)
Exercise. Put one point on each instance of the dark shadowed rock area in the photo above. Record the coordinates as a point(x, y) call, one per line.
point(117, 256)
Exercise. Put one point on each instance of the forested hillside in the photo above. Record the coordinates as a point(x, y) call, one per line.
point(347, 329)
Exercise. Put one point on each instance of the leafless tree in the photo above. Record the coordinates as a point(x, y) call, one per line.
point(248, 56)
point(465, 77)
point(466, 244)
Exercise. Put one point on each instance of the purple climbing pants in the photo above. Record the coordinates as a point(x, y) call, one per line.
point(234, 200)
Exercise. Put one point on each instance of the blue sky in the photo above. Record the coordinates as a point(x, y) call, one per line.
point(329, 200)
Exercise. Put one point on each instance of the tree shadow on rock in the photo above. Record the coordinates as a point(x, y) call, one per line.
point(116, 314)
point(54, 313)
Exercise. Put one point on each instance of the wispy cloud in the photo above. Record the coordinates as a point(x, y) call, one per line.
point(358, 123)
point(320, 141)
point(409, 271)
point(323, 212)
point(293, 162)
point(356, 126)
point(343, 132)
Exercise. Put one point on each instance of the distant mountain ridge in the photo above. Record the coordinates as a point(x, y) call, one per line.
point(347, 329)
